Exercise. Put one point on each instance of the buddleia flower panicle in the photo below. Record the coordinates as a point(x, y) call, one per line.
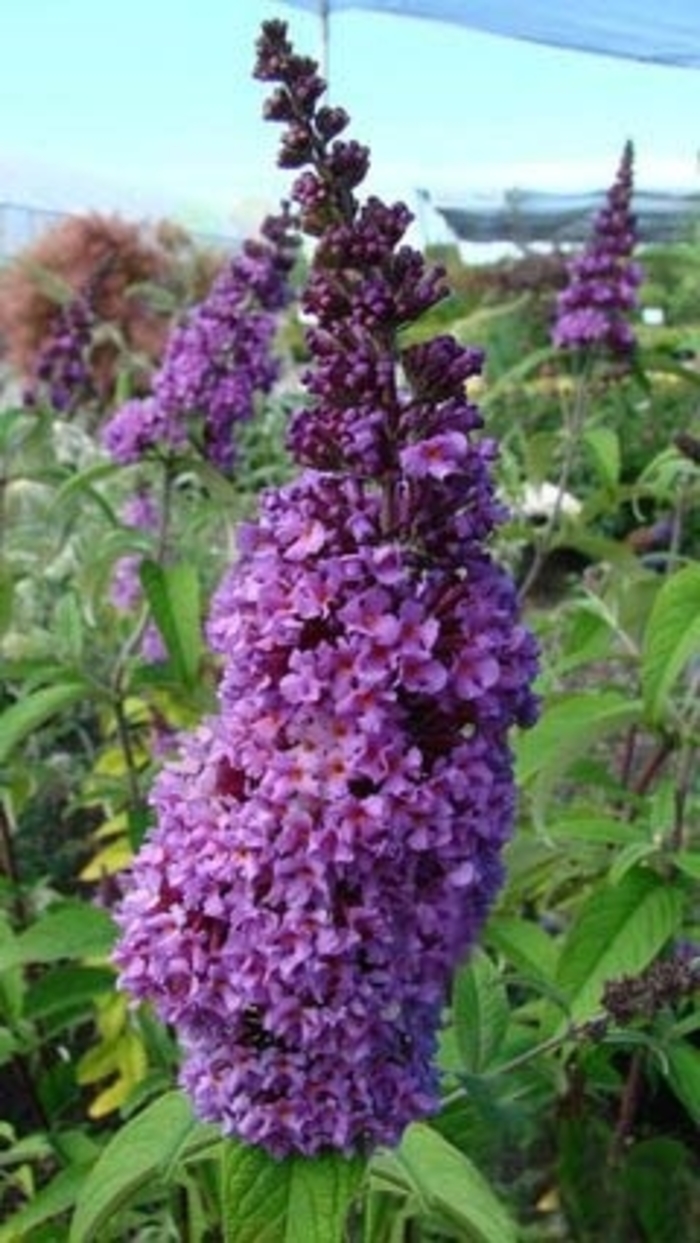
point(328, 844)
point(593, 310)
point(218, 361)
point(62, 373)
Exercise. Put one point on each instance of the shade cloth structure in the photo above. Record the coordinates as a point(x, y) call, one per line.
point(665, 32)
point(526, 216)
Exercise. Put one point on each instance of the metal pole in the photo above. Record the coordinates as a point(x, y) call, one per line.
point(325, 40)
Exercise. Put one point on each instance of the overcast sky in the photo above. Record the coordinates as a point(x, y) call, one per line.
point(145, 104)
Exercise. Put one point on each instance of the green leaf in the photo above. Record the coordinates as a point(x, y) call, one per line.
point(515, 375)
point(618, 932)
point(684, 1076)
point(9, 420)
point(604, 446)
point(68, 930)
point(567, 728)
point(587, 638)
point(540, 452)
point(82, 485)
point(657, 360)
point(583, 538)
point(68, 627)
point(525, 945)
point(386, 1215)
point(66, 989)
point(449, 1188)
point(480, 1011)
point(566, 731)
point(145, 1150)
point(55, 1198)
point(174, 598)
point(54, 287)
point(7, 586)
point(29, 714)
point(629, 857)
point(298, 1200)
point(688, 861)
point(595, 827)
point(657, 1175)
point(672, 638)
point(8, 1045)
point(156, 297)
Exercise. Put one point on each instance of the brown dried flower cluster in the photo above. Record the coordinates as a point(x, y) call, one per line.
point(103, 259)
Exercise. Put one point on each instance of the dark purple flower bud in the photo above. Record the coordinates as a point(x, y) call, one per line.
point(278, 107)
point(331, 121)
point(296, 147)
point(439, 368)
point(348, 163)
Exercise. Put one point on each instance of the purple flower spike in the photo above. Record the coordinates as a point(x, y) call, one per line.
point(62, 373)
point(593, 310)
point(217, 361)
point(328, 845)
point(138, 427)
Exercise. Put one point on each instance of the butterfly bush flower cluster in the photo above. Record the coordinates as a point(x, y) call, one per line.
point(62, 370)
point(328, 843)
point(593, 311)
point(216, 361)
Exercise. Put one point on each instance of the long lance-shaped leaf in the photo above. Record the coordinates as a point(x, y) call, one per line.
point(618, 932)
point(566, 732)
point(446, 1188)
point(143, 1153)
point(480, 1012)
point(67, 930)
point(51, 1201)
point(27, 715)
point(174, 598)
point(298, 1200)
point(672, 638)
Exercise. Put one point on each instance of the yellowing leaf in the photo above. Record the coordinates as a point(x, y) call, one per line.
point(113, 1016)
point(109, 861)
point(109, 1100)
point(111, 827)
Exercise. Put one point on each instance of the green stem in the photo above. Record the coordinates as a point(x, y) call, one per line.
point(573, 1032)
point(119, 687)
point(652, 767)
point(628, 1108)
point(132, 769)
point(574, 416)
point(682, 793)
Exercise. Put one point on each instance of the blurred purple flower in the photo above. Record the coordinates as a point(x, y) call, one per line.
point(140, 426)
point(62, 373)
point(217, 361)
point(593, 311)
point(328, 845)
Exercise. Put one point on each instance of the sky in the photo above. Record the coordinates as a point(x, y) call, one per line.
point(148, 107)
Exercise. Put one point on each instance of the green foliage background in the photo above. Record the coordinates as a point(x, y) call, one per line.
point(570, 1054)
